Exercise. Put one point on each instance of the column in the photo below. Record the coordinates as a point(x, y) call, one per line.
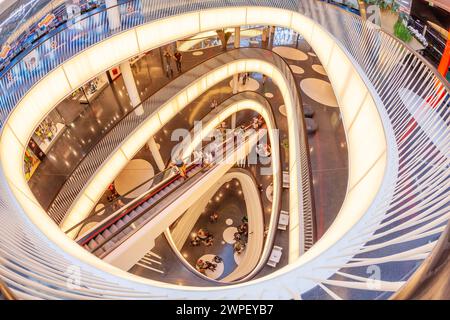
point(152, 145)
point(444, 64)
point(130, 85)
point(237, 44)
point(237, 37)
point(271, 36)
point(113, 14)
point(233, 121)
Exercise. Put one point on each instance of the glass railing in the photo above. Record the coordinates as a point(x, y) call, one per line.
point(81, 33)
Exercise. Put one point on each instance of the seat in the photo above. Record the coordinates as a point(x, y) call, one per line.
point(285, 179)
point(271, 263)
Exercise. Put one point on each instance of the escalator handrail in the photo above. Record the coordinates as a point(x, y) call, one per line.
point(96, 212)
point(143, 198)
point(147, 209)
point(84, 239)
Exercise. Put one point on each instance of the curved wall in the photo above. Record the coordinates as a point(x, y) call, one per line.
point(178, 236)
point(366, 139)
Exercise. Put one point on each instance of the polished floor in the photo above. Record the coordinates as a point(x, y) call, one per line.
point(229, 204)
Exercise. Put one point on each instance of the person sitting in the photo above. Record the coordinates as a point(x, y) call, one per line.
point(217, 259)
point(208, 159)
point(200, 265)
point(209, 241)
point(210, 266)
point(238, 247)
point(243, 229)
point(213, 217)
point(195, 242)
point(202, 234)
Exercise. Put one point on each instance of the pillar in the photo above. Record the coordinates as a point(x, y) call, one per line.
point(233, 121)
point(113, 14)
point(130, 85)
point(237, 37)
point(237, 44)
point(152, 145)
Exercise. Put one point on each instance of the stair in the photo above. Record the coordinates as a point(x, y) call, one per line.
point(153, 262)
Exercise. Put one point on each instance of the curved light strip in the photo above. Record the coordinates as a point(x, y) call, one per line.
point(366, 180)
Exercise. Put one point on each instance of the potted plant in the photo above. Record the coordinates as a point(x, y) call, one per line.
point(401, 31)
point(224, 37)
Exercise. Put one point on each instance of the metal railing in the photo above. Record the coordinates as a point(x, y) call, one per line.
point(401, 228)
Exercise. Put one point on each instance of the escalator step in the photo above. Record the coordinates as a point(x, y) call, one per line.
point(126, 219)
point(119, 224)
point(138, 210)
point(113, 228)
point(92, 244)
point(107, 233)
point(141, 219)
point(133, 213)
point(100, 238)
point(99, 252)
point(145, 205)
point(108, 245)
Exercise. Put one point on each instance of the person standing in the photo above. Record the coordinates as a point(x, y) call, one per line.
point(181, 166)
point(178, 58)
point(168, 58)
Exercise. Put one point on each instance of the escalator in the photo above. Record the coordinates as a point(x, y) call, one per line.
point(111, 231)
point(168, 186)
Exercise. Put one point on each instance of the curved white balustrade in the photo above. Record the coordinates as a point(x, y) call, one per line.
point(366, 71)
point(252, 255)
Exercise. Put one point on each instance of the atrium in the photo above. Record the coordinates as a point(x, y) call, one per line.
point(224, 149)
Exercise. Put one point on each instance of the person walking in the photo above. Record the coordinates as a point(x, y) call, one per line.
point(244, 79)
point(178, 58)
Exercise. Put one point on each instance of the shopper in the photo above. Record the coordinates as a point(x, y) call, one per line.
point(168, 58)
point(181, 166)
point(178, 58)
